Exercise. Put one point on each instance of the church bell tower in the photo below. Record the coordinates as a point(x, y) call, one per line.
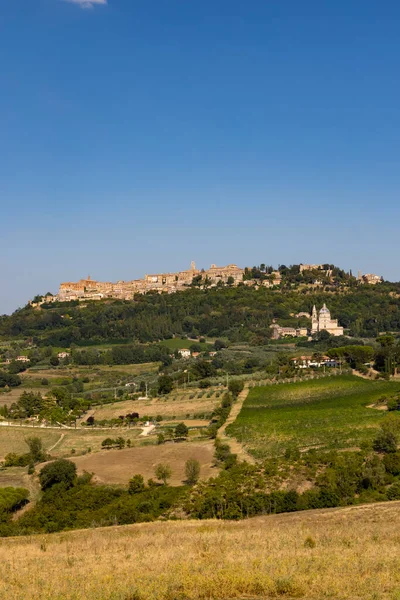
point(314, 320)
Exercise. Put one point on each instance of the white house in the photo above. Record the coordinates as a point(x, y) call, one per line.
point(184, 353)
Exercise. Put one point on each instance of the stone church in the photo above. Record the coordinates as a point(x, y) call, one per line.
point(322, 322)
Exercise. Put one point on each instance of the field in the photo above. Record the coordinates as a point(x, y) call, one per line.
point(12, 439)
point(342, 554)
point(118, 466)
point(101, 377)
point(325, 413)
point(180, 343)
point(178, 405)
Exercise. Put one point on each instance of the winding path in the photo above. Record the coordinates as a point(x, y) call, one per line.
point(62, 436)
point(235, 445)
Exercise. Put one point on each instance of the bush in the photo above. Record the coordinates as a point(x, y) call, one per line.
point(181, 431)
point(392, 463)
point(235, 386)
point(59, 471)
point(393, 492)
point(385, 441)
point(136, 484)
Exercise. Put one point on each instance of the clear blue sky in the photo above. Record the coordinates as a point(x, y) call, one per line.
point(138, 135)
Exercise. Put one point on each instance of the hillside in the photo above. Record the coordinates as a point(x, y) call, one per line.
point(347, 553)
point(241, 314)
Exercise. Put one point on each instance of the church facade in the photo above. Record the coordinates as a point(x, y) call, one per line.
point(321, 321)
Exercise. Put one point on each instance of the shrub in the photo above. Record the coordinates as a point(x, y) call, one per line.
point(59, 471)
point(385, 441)
point(181, 431)
point(136, 484)
point(392, 463)
point(107, 443)
point(393, 492)
point(235, 387)
point(309, 542)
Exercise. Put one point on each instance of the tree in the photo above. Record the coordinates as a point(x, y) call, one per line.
point(163, 472)
point(58, 471)
point(195, 347)
point(54, 361)
point(165, 384)
point(90, 421)
point(219, 344)
point(181, 431)
point(35, 449)
point(192, 470)
point(136, 484)
point(235, 387)
point(120, 442)
point(142, 387)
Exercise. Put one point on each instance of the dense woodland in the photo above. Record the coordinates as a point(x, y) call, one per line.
point(239, 314)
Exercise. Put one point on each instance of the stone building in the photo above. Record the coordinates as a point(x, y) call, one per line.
point(322, 322)
point(90, 289)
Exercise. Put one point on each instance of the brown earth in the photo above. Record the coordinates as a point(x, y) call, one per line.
point(118, 466)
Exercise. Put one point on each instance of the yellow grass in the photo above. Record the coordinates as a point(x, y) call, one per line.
point(118, 466)
point(356, 557)
point(82, 439)
point(178, 405)
point(12, 439)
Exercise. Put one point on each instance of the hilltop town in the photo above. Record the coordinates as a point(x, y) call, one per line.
point(313, 275)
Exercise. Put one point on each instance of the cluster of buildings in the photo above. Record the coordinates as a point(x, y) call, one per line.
point(90, 289)
point(369, 278)
point(320, 321)
point(307, 362)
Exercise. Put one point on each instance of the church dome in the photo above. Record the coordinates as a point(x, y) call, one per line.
point(324, 310)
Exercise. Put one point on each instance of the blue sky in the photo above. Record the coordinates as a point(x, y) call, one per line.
point(138, 135)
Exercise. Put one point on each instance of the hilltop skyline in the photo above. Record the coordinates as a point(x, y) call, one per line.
point(139, 136)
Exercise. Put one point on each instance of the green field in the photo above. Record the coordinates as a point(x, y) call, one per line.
point(327, 413)
point(178, 344)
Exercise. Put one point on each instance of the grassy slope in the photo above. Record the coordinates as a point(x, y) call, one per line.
point(326, 413)
point(355, 557)
point(12, 439)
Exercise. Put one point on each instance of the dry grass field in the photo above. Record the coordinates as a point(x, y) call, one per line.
point(18, 477)
point(59, 442)
point(343, 554)
point(12, 439)
point(177, 405)
point(118, 466)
